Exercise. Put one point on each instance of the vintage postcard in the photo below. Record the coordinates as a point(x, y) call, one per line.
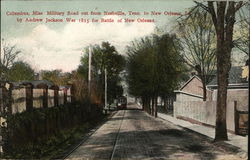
point(123, 79)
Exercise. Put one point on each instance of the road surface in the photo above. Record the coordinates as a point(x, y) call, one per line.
point(133, 134)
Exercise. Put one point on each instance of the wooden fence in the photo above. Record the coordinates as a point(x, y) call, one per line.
point(19, 97)
point(204, 113)
point(27, 96)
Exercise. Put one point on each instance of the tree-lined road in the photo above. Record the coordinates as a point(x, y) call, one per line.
point(133, 134)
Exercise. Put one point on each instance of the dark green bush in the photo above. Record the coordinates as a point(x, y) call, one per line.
point(49, 125)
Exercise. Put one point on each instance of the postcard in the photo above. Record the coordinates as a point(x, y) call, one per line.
point(123, 79)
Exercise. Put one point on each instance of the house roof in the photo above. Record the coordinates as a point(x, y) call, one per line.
point(235, 78)
point(185, 84)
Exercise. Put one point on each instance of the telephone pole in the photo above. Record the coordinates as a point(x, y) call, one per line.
point(89, 75)
point(106, 85)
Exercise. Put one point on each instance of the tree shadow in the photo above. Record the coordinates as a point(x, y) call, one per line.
point(146, 138)
point(153, 144)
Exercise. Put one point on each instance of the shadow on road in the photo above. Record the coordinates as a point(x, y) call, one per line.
point(143, 137)
point(159, 144)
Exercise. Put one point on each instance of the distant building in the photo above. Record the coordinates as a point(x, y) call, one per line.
point(38, 76)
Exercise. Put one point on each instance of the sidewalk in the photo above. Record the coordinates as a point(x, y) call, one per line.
point(235, 140)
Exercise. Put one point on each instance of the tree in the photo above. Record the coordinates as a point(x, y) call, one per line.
point(242, 37)
point(197, 36)
point(8, 56)
point(20, 71)
point(223, 17)
point(154, 66)
point(140, 71)
point(80, 87)
point(104, 56)
point(56, 76)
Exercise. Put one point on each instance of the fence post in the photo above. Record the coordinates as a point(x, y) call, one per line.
point(29, 96)
point(6, 111)
point(1, 99)
point(45, 97)
point(45, 94)
point(56, 89)
point(236, 118)
point(65, 95)
point(72, 93)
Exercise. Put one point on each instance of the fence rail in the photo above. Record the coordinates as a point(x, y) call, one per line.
point(27, 96)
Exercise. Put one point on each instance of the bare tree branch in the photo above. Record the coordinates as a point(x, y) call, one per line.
point(197, 36)
point(239, 5)
point(212, 12)
point(202, 5)
point(7, 58)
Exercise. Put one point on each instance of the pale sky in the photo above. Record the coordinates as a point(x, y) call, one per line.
point(60, 45)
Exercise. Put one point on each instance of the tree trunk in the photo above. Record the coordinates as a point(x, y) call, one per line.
point(204, 90)
point(143, 103)
point(152, 106)
point(169, 103)
point(221, 123)
point(142, 99)
point(148, 106)
point(221, 106)
point(165, 104)
point(224, 23)
point(223, 67)
point(155, 106)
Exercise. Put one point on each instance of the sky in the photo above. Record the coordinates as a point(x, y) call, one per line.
point(56, 45)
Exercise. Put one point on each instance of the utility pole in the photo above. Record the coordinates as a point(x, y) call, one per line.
point(89, 77)
point(1, 65)
point(89, 80)
point(105, 88)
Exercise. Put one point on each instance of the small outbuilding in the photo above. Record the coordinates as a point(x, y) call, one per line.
point(192, 90)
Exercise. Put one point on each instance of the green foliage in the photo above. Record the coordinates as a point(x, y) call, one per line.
point(80, 87)
point(40, 132)
point(20, 71)
point(154, 66)
point(56, 76)
point(104, 56)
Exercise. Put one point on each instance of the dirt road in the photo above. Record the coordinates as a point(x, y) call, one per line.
point(133, 134)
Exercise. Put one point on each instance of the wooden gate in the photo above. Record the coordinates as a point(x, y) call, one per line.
point(241, 122)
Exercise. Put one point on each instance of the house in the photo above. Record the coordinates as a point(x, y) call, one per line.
point(192, 90)
point(190, 106)
point(237, 87)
